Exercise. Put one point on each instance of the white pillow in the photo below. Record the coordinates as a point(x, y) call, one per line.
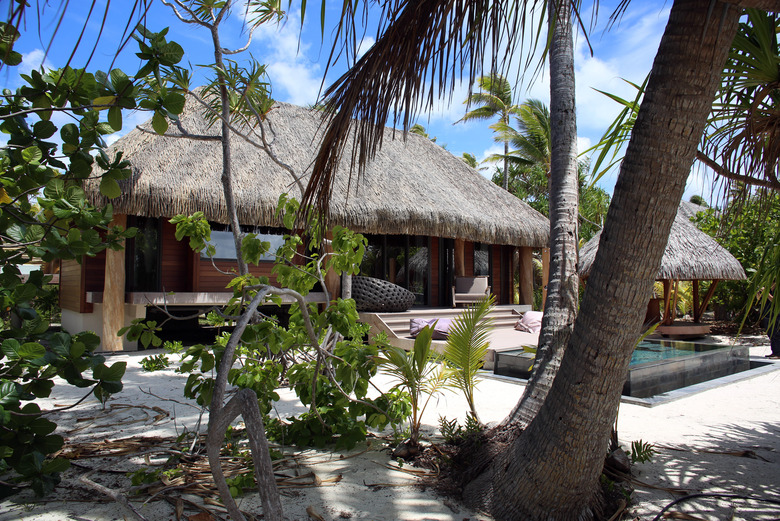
point(531, 322)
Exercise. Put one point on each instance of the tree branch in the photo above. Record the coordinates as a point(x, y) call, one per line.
point(728, 174)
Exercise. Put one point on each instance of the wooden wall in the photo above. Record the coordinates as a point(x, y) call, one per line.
point(72, 287)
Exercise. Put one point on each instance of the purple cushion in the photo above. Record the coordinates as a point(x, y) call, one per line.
point(531, 322)
point(440, 331)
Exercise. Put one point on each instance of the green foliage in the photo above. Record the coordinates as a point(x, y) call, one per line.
point(749, 229)
point(153, 363)
point(144, 331)
point(46, 217)
point(641, 451)
point(417, 374)
point(466, 346)
point(27, 370)
point(334, 388)
point(455, 434)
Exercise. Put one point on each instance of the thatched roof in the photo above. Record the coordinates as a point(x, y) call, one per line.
point(413, 187)
point(689, 209)
point(690, 254)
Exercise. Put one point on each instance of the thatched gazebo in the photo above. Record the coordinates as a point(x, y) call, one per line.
point(690, 255)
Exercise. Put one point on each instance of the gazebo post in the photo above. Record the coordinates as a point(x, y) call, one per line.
point(673, 307)
point(697, 311)
point(667, 296)
point(708, 297)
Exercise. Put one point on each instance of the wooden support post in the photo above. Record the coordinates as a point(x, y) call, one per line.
point(526, 268)
point(667, 297)
point(114, 294)
point(697, 311)
point(460, 258)
point(708, 297)
point(545, 273)
point(673, 308)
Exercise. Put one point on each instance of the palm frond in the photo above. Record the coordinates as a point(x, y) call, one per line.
point(467, 344)
point(413, 62)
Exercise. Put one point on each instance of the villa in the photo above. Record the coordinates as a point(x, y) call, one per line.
point(428, 217)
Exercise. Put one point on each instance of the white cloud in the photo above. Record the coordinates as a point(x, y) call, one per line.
point(295, 77)
point(129, 121)
point(365, 44)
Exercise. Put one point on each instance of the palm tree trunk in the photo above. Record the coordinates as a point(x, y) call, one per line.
point(560, 309)
point(506, 166)
point(551, 471)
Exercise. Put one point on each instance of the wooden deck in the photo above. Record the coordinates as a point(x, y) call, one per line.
point(503, 337)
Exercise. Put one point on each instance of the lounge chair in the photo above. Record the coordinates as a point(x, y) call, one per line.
point(468, 290)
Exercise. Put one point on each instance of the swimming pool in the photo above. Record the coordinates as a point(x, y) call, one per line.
point(657, 366)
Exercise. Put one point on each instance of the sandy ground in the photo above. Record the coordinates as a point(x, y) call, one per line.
point(724, 438)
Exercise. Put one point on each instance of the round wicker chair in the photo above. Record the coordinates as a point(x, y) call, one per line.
point(372, 294)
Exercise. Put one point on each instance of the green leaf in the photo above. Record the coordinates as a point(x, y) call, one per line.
point(115, 118)
point(55, 465)
point(70, 134)
point(110, 187)
point(32, 155)
point(104, 100)
point(115, 372)
point(159, 123)
point(174, 103)
point(31, 351)
point(9, 392)
point(44, 129)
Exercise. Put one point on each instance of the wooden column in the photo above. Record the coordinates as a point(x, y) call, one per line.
point(114, 294)
point(707, 298)
point(526, 269)
point(696, 307)
point(460, 258)
point(667, 297)
point(545, 273)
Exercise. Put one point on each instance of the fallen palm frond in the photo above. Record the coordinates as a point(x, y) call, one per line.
point(740, 453)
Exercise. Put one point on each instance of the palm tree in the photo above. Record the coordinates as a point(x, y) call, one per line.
point(530, 140)
point(495, 99)
point(551, 471)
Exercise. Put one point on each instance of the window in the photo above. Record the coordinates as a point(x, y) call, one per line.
point(222, 240)
point(481, 259)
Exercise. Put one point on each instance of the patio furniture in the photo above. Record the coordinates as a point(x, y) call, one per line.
point(468, 290)
point(372, 294)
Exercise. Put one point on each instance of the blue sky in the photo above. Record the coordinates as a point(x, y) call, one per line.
point(296, 58)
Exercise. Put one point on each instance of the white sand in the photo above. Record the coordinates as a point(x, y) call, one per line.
point(734, 417)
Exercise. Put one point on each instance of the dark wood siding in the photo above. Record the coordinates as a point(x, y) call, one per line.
point(209, 279)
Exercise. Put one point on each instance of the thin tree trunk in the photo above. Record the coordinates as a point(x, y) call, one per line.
point(227, 178)
point(506, 166)
point(560, 309)
point(552, 470)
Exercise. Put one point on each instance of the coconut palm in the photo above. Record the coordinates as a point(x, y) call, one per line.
point(494, 99)
point(551, 471)
point(529, 139)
